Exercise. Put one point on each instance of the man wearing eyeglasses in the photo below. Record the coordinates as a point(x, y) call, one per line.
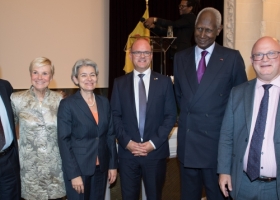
point(144, 112)
point(183, 28)
point(204, 76)
point(249, 150)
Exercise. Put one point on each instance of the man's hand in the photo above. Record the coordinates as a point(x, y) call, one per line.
point(225, 184)
point(135, 149)
point(146, 147)
point(77, 184)
point(149, 22)
point(112, 175)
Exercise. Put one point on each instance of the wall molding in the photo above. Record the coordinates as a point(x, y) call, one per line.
point(229, 23)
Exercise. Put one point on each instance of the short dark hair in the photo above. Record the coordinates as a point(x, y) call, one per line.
point(191, 3)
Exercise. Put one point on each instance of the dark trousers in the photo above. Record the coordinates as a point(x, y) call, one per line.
point(10, 176)
point(94, 186)
point(193, 180)
point(152, 171)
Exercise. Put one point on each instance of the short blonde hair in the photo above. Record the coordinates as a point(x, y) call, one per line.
point(40, 62)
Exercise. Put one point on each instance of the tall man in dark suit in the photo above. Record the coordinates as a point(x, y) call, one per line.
point(9, 159)
point(253, 115)
point(142, 133)
point(204, 76)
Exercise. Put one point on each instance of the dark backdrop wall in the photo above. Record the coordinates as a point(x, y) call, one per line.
point(124, 16)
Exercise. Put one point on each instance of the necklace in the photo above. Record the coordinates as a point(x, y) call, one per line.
point(91, 105)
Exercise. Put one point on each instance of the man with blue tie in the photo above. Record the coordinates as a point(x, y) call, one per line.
point(249, 150)
point(144, 112)
point(204, 76)
point(9, 159)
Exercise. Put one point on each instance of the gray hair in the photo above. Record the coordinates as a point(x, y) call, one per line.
point(215, 12)
point(40, 62)
point(80, 63)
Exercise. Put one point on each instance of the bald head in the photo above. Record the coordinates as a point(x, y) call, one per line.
point(265, 58)
point(141, 54)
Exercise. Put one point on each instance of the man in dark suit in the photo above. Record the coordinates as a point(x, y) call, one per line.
point(142, 137)
point(183, 28)
point(242, 124)
point(204, 76)
point(9, 159)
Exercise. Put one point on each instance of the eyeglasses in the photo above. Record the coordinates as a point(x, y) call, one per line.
point(182, 6)
point(269, 55)
point(139, 53)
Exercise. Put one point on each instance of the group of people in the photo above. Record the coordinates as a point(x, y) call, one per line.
point(228, 137)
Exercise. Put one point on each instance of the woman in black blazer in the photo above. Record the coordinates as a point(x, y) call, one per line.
point(86, 138)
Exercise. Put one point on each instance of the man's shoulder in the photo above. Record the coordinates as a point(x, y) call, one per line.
point(224, 49)
point(185, 52)
point(4, 82)
point(124, 77)
point(243, 86)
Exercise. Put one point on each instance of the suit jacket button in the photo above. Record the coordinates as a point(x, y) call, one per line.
point(206, 115)
point(188, 130)
point(221, 95)
point(97, 138)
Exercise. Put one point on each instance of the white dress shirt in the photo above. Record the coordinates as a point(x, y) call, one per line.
point(146, 80)
point(6, 125)
point(207, 57)
point(268, 161)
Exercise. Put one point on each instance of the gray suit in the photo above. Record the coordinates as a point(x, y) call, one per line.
point(235, 133)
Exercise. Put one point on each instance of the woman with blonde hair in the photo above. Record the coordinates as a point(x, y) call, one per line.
point(35, 110)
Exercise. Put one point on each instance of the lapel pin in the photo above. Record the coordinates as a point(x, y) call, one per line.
point(155, 78)
point(221, 59)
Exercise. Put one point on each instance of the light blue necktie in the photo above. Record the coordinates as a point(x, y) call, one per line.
point(142, 105)
point(254, 158)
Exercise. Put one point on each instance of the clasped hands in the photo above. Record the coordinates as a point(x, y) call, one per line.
point(140, 149)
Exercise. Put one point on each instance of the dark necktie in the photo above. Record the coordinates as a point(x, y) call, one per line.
point(142, 104)
point(254, 158)
point(2, 136)
point(201, 66)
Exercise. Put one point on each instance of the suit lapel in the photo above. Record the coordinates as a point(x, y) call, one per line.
point(130, 93)
point(100, 109)
point(213, 67)
point(277, 125)
point(154, 81)
point(249, 95)
point(190, 70)
point(79, 100)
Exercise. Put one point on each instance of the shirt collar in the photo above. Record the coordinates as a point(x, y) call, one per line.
point(275, 82)
point(147, 72)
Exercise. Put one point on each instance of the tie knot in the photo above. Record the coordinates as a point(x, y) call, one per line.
point(141, 75)
point(267, 86)
point(204, 53)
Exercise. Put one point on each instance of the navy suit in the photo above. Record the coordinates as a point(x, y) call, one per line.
point(202, 107)
point(9, 163)
point(160, 118)
point(81, 139)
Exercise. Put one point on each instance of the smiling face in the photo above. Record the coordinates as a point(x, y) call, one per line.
point(266, 69)
point(206, 30)
point(183, 8)
point(41, 77)
point(141, 62)
point(86, 78)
